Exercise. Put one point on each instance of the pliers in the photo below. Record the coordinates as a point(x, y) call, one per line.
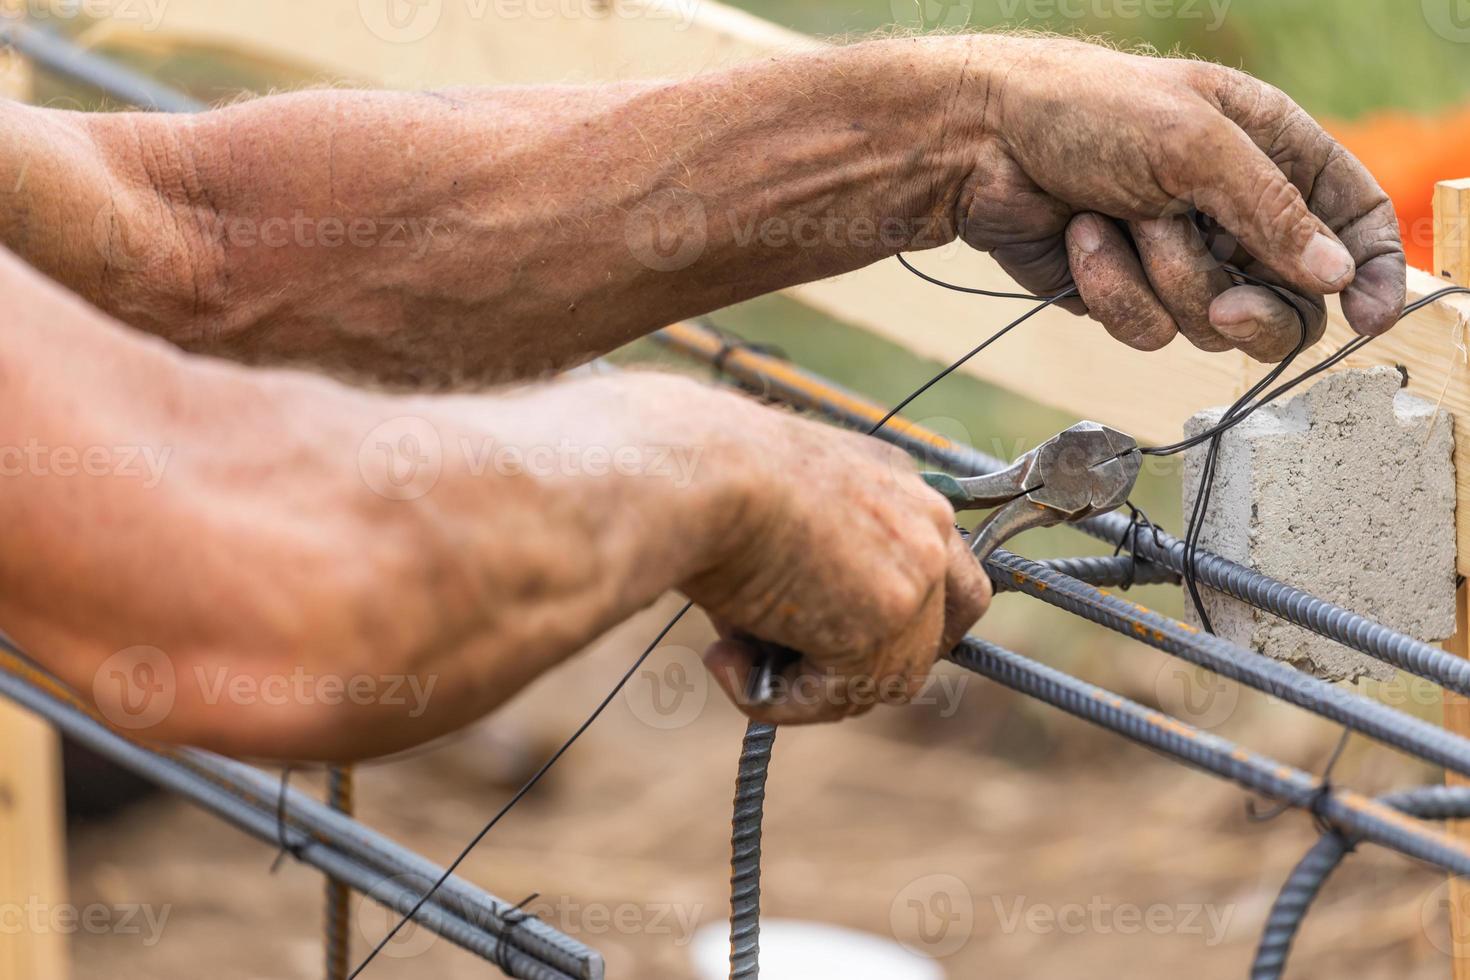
point(1084, 470)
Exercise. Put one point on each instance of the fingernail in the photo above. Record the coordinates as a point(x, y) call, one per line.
point(1327, 260)
point(1086, 234)
point(1155, 228)
point(1236, 320)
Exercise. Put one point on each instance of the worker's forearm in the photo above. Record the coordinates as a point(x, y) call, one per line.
point(262, 527)
point(479, 233)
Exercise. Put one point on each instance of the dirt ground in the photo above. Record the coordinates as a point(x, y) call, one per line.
point(995, 834)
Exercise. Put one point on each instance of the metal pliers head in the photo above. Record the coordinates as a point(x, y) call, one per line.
point(1085, 470)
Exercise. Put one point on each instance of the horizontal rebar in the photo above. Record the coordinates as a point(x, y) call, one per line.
point(57, 54)
point(1354, 813)
point(1372, 718)
point(774, 378)
point(1305, 882)
point(347, 850)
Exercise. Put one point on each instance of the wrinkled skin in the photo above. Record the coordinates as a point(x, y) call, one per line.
point(868, 591)
point(532, 215)
point(1086, 134)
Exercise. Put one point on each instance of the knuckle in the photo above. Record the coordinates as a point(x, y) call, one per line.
point(1212, 78)
point(899, 599)
point(938, 510)
point(1282, 212)
point(891, 456)
point(931, 557)
point(1195, 132)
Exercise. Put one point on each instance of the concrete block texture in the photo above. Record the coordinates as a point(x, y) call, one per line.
point(1346, 491)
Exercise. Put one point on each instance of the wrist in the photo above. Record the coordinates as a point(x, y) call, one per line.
point(951, 85)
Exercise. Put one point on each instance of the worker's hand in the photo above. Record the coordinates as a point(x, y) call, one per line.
point(843, 554)
point(1101, 157)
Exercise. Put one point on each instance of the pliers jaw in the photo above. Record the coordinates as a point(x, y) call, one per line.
point(1085, 470)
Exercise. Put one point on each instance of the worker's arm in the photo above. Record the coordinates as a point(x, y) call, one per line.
point(478, 234)
point(275, 564)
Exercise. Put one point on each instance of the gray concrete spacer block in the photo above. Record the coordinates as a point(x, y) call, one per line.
point(1346, 491)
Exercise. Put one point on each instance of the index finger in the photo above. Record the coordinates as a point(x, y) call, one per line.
point(1336, 186)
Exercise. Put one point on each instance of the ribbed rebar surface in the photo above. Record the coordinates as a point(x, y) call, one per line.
point(1306, 880)
point(804, 389)
point(339, 896)
point(1352, 813)
point(745, 852)
point(1372, 718)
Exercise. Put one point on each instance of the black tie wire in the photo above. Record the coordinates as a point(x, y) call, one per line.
point(1156, 557)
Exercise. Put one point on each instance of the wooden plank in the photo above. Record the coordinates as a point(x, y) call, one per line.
point(1056, 359)
point(1457, 719)
point(1452, 261)
point(479, 42)
point(16, 76)
point(32, 843)
point(1451, 225)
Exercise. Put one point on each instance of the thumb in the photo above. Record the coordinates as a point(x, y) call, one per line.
point(1234, 182)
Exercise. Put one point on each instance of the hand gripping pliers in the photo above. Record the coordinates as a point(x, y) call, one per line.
point(1085, 470)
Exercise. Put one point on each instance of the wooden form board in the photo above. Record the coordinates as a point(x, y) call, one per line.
point(1452, 261)
point(32, 849)
point(32, 844)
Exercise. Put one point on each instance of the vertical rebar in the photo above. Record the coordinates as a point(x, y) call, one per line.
point(339, 896)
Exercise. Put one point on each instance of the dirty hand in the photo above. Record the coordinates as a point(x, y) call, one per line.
point(843, 554)
point(1098, 160)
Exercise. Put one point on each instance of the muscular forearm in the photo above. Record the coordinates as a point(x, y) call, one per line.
point(482, 234)
point(270, 527)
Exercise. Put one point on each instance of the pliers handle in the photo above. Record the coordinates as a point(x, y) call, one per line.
point(1085, 470)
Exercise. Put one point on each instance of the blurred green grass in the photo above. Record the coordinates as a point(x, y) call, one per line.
point(1340, 58)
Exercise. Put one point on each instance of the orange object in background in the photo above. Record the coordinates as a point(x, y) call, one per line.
point(1408, 154)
